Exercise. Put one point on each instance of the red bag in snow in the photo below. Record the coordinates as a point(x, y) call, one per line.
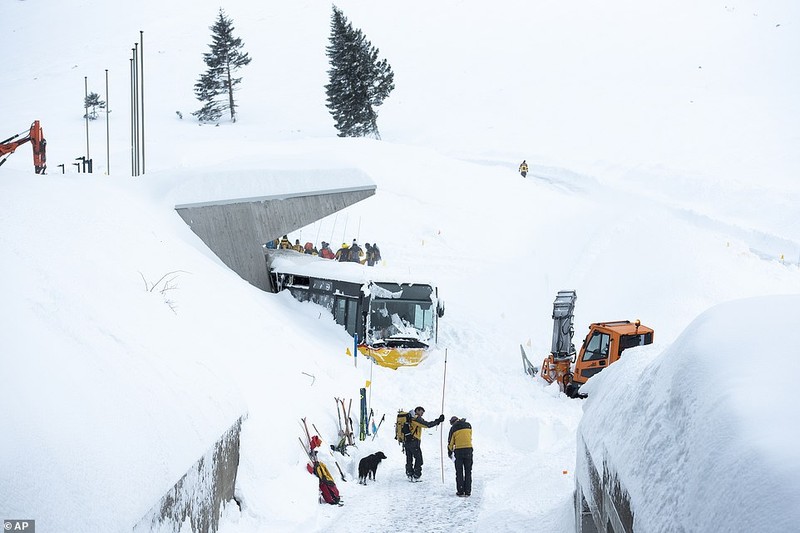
point(329, 493)
point(326, 484)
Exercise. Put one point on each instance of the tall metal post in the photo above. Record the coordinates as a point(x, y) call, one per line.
point(133, 152)
point(108, 143)
point(86, 110)
point(141, 61)
point(136, 102)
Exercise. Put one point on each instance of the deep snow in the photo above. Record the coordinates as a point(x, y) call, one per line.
point(661, 140)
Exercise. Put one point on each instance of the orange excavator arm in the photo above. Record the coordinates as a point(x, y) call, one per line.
point(36, 137)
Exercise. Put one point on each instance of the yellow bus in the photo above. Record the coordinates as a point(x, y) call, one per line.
point(393, 321)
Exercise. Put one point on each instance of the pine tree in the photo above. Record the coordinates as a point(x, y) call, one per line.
point(223, 60)
point(359, 81)
point(92, 102)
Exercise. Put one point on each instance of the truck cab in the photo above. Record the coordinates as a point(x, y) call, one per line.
point(604, 345)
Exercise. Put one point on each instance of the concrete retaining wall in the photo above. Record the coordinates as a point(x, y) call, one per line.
point(201, 493)
point(235, 230)
point(602, 504)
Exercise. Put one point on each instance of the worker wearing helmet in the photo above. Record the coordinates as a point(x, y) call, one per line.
point(342, 254)
point(413, 439)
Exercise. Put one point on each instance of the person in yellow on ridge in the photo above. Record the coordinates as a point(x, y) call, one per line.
point(523, 168)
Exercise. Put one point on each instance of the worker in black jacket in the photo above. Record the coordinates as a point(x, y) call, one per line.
point(459, 443)
point(413, 439)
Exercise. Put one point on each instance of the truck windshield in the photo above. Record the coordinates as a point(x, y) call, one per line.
point(597, 347)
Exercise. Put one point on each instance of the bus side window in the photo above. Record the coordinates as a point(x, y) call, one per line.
point(340, 311)
point(352, 315)
point(346, 314)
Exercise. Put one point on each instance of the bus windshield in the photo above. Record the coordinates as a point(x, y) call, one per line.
point(400, 319)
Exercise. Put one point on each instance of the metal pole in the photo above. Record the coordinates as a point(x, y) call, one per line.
point(136, 101)
point(335, 218)
point(86, 109)
point(141, 61)
point(133, 153)
point(371, 361)
point(108, 145)
point(441, 432)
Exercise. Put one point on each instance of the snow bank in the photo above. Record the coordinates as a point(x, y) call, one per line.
point(704, 435)
point(103, 409)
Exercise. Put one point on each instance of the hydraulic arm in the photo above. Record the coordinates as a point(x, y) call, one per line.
point(35, 136)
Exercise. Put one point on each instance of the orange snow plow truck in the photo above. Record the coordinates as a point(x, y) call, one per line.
point(36, 137)
point(602, 346)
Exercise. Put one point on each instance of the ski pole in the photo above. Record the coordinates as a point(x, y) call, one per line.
point(340, 471)
point(337, 414)
point(441, 430)
point(375, 433)
point(308, 436)
point(308, 453)
point(334, 225)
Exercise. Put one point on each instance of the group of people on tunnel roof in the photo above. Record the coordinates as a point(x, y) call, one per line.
point(370, 255)
point(353, 253)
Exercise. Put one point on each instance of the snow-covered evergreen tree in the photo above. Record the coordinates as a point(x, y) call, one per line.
point(223, 60)
point(359, 81)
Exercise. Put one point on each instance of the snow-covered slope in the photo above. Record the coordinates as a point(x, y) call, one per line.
point(707, 427)
point(657, 190)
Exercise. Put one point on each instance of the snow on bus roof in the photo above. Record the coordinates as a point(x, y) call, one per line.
point(292, 262)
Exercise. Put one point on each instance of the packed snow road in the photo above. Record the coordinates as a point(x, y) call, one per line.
point(392, 503)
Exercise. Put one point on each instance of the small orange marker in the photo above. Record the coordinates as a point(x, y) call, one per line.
point(564, 472)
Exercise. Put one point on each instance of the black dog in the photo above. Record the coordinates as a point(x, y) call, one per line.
point(368, 466)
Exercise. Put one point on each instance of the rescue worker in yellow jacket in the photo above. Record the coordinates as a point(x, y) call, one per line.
point(523, 168)
point(459, 443)
point(413, 439)
point(343, 253)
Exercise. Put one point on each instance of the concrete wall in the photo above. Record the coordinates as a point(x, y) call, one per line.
point(602, 504)
point(201, 493)
point(235, 230)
